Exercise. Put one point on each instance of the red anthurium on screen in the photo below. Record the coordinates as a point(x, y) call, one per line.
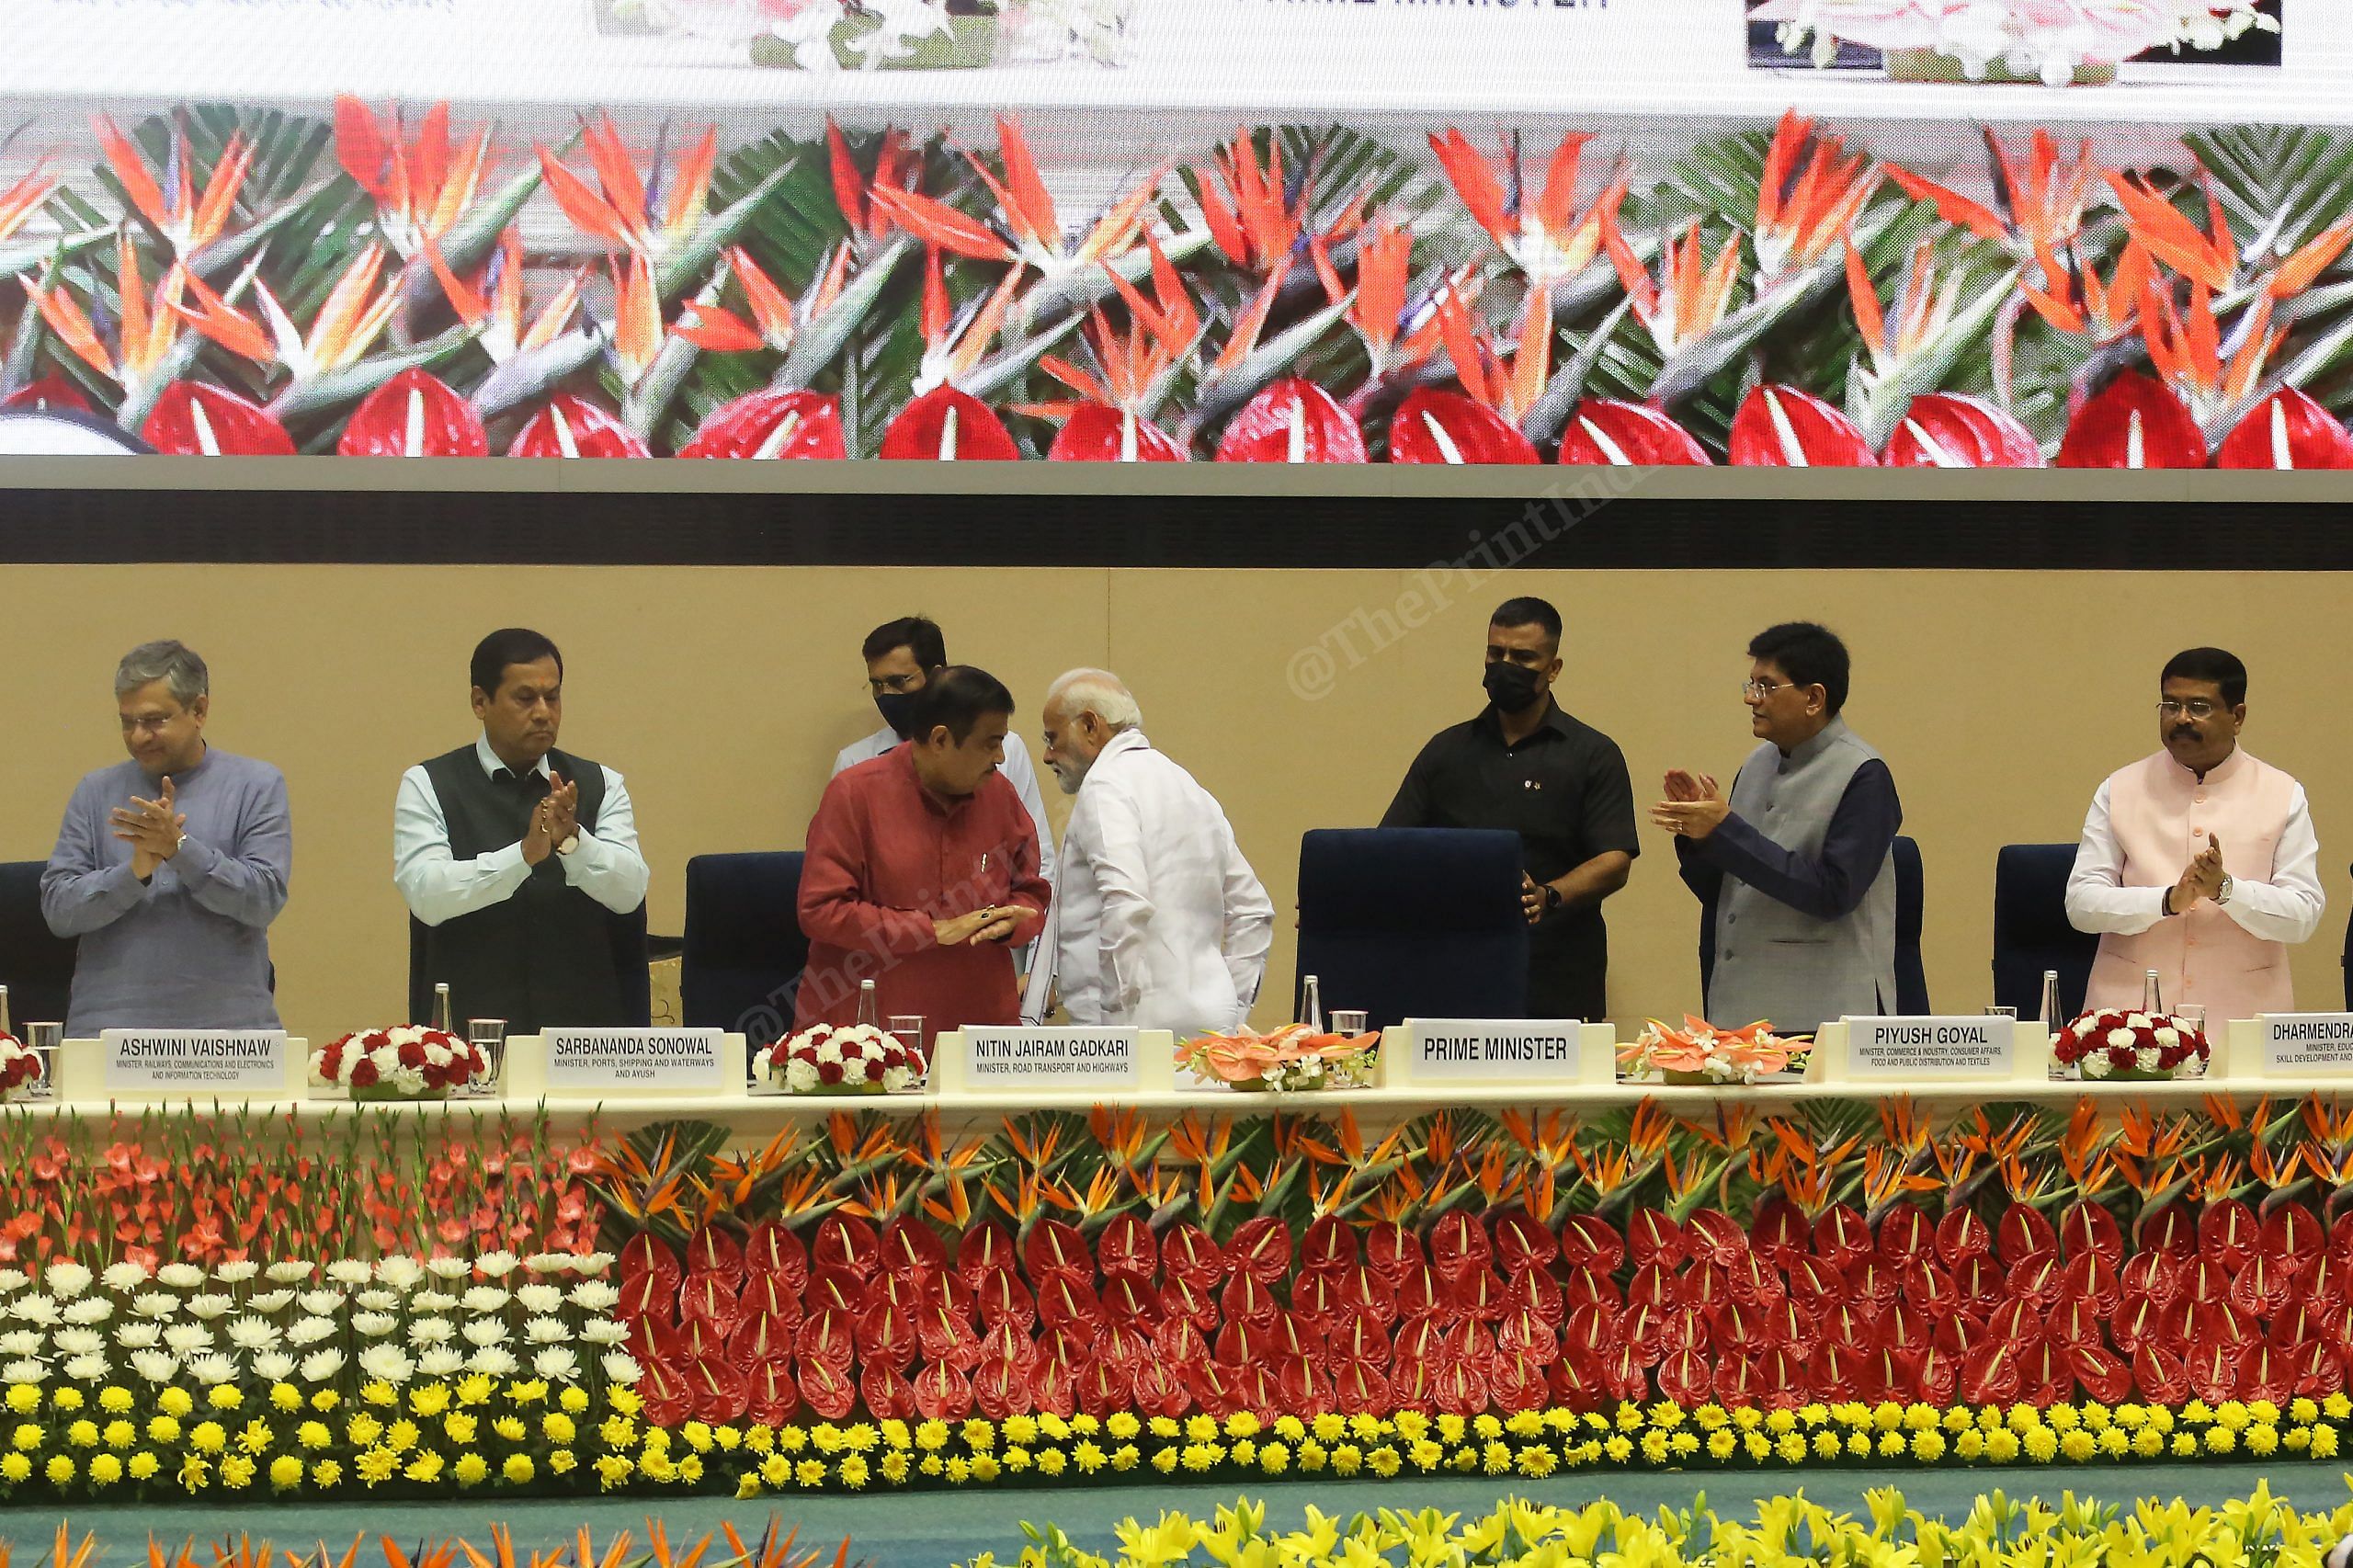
point(1293, 421)
point(1437, 427)
point(774, 423)
point(415, 414)
point(1946, 430)
point(1779, 426)
point(2286, 430)
point(572, 426)
point(2135, 422)
point(192, 419)
point(52, 390)
point(948, 425)
point(1095, 433)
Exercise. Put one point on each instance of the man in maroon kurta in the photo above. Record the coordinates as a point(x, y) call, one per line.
point(922, 871)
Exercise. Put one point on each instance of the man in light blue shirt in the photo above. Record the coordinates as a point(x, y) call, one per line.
point(170, 867)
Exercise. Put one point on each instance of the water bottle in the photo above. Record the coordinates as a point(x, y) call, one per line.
point(870, 1007)
point(3, 1010)
point(2053, 1023)
point(442, 1018)
point(1310, 1005)
point(2152, 1000)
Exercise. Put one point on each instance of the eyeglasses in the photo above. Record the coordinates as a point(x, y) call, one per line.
point(150, 723)
point(900, 685)
point(2197, 708)
point(1761, 690)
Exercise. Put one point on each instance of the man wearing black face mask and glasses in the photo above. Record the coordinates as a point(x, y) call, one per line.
point(901, 656)
point(1562, 785)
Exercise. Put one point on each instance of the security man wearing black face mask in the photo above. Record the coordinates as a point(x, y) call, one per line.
point(1562, 785)
point(900, 658)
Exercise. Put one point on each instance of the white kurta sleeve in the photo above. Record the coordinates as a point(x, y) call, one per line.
point(2097, 900)
point(608, 865)
point(2288, 907)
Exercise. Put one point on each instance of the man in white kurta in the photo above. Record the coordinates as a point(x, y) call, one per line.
point(2198, 862)
point(1157, 920)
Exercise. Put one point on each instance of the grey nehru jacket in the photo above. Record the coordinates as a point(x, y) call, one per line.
point(189, 947)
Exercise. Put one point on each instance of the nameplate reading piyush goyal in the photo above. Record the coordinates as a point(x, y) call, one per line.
point(194, 1060)
point(1444, 1048)
point(1960, 1047)
point(2308, 1042)
point(999, 1056)
point(623, 1058)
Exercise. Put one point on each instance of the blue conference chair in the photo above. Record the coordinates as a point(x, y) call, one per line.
point(744, 952)
point(2031, 930)
point(36, 966)
point(1412, 922)
point(1911, 975)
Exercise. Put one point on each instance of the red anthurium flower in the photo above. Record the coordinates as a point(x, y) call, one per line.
point(773, 422)
point(572, 426)
point(1095, 433)
point(1946, 430)
point(1293, 421)
point(415, 414)
point(2135, 422)
point(1779, 426)
point(946, 425)
point(52, 390)
point(1435, 427)
point(1627, 434)
point(192, 419)
point(2286, 430)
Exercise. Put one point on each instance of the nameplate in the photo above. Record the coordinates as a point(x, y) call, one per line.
point(999, 1056)
point(625, 1059)
point(1470, 1050)
point(194, 1062)
point(2308, 1042)
point(1967, 1046)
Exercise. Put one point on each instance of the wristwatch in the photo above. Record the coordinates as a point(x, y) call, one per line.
point(2222, 895)
point(1551, 897)
point(569, 845)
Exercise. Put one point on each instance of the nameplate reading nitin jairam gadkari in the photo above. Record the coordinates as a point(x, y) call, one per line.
point(2308, 1042)
point(196, 1061)
point(1965, 1046)
point(1469, 1049)
point(625, 1059)
point(1002, 1057)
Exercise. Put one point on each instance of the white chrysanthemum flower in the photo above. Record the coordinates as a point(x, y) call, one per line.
point(124, 1277)
point(89, 1310)
point(78, 1342)
point(2097, 1065)
point(374, 1325)
point(378, 1300)
point(207, 1307)
point(350, 1272)
point(441, 1361)
point(88, 1368)
point(620, 1367)
point(2166, 1038)
point(432, 1331)
point(319, 1303)
point(13, 1280)
point(449, 1267)
point(309, 1331)
point(498, 1265)
point(269, 1301)
point(34, 1308)
point(155, 1366)
point(321, 1365)
point(23, 1342)
point(590, 1264)
point(388, 1362)
point(213, 1367)
point(139, 1335)
point(493, 1361)
point(187, 1338)
point(539, 1298)
point(800, 1077)
point(290, 1271)
point(2120, 1036)
point(432, 1301)
point(484, 1331)
point(604, 1331)
point(400, 1271)
point(558, 1363)
point(274, 1365)
point(546, 1331)
point(180, 1275)
point(483, 1299)
point(155, 1304)
point(548, 1262)
point(2148, 1059)
point(67, 1279)
point(595, 1295)
point(25, 1371)
point(236, 1271)
point(249, 1334)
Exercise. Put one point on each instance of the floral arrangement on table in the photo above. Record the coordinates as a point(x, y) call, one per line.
point(20, 1067)
point(2126, 1045)
point(859, 1060)
point(1700, 1053)
point(1291, 1059)
point(411, 1062)
point(2010, 40)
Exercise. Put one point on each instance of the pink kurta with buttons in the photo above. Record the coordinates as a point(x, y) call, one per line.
point(2163, 815)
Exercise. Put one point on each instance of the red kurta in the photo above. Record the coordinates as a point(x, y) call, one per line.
point(886, 857)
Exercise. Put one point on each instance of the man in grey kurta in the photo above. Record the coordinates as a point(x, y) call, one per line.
point(1795, 872)
point(169, 867)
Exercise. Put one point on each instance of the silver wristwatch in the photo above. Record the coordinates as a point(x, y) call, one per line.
point(2222, 895)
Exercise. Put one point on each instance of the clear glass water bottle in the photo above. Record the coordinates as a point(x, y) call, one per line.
point(1310, 1005)
point(443, 1020)
point(870, 1007)
point(2047, 1011)
point(2152, 996)
point(4, 1011)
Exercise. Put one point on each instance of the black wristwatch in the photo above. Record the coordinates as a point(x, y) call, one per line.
point(1552, 898)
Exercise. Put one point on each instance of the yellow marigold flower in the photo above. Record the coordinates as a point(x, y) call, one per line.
point(2262, 1440)
point(1329, 1428)
point(2132, 1417)
point(690, 1470)
point(24, 1397)
point(2184, 1445)
point(931, 1435)
point(325, 1400)
point(163, 1429)
point(1243, 1452)
point(2060, 1418)
point(618, 1432)
point(1051, 1461)
point(1163, 1461)
point(116, 1399)
point(1970, 1445)
point(2303, 1410)
point(426, 1467)
point(121, 1434)
point(1242, 1424)
point(459, 1428)
point(475, 1388)
point(575, 1401)
point(985, 1468)
point(1346, 1460)
point(561, 1462)
point(1451, 1427)
point(14, 1467)
point(1162, 1426)
point(931, 1466)
point(1789, 1446)
point(2042, 1444)
point(1829, 1444)
point(401, 1436)
point(1780, 1422)
point(378, 1464)
point(557, 1427)
point(363, 1429)
point(2001, 1445)
point(105, 1469)
point(379, 1393)
point(323, 1474)
point(59, 1470)
point(1712, 1416)
point(747, 1486)
point(2324, 1442)
point(530, 1390)
point(2097, 1417)
point(1927, 1445)
point(1017, 1458)
point(1619, 1449)
point(1887, 1415)
point(2336, 1407)
point(237, 1471)
point(83, 1434)
point(256, 1437)
point(979, 1435)
point(173, 1402)
point(1412, 1424)
point(2220, 1440)
point(285, 1472)
point(1759, 1447)
point(1721, 1444)
point(2115, 1442)
point(1274, 1458)
point(1537, 1460)
point(1313, 1456)
point(143, 1466)
point(2161, 1418)
point(209, 1438)
point(2078, 1446)
point(2232, 1416)
point(517, 1468)
point(429, 1398)
point(895, 1465)
point(27, 1436)
point(1859, 1444)
point(612, 1471)
point(1384, 1460)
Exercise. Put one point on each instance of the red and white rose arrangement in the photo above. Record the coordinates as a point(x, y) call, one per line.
point(2123, 1043)
point(409, 1062)
point(19, 1065)
point(859, 1060)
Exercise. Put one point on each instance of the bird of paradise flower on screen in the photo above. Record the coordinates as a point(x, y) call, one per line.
point(1131, 376)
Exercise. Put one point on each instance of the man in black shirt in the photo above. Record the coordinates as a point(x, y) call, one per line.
point(1561, 785)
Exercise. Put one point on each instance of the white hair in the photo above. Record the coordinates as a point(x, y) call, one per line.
point(1098, 692)
point(174, 664)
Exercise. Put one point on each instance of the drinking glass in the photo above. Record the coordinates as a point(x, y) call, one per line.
point(2194, 1014)
point(489, 1037)
point(907, 1030)
point(43, 1041)
point(1347, 1021)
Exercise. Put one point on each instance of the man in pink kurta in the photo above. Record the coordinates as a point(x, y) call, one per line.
point(922, 871)
point(2198, 862)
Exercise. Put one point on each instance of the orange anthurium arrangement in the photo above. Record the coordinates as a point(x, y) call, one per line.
point(1289, 1060)
point(1700, 1053)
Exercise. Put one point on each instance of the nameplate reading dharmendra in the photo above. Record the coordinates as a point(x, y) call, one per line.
point(1960, 1047)
point(1444, 1048)
point(622, 1059)
point(2308, 1042)
point(1000, 1057)
point(147, 1062)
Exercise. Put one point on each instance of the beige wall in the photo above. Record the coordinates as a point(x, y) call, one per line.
point(2000, 700)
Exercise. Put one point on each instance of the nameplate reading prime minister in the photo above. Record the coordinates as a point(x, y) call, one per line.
point(1470, 1049)
point(2308, 1042)
point(204, 1061)
point(1967, 1046)
point(1003, 1057)
point(635, 1059)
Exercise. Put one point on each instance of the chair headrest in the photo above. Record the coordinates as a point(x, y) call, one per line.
point(1409, 879)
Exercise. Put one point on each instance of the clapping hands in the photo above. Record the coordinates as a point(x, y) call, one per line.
point(1694, 806)
point(152, 828)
